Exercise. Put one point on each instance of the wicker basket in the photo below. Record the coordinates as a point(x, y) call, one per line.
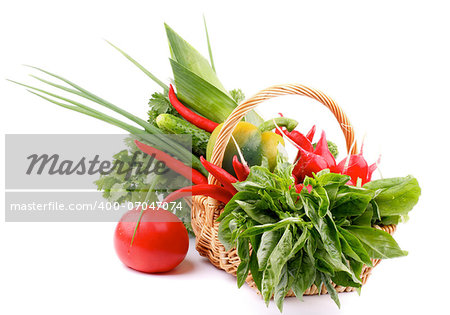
point(206, 210)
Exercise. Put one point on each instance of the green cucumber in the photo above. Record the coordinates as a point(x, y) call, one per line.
point(171, 124)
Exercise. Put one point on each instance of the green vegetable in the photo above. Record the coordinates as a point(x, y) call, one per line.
point(172, 124)
point(395, 196)
point(159, 104)
point(271, 124)
point(378, 244)
point(197, 83)
point(157, 139)
point(320, 237)
point(248, 138)
point(237, 95)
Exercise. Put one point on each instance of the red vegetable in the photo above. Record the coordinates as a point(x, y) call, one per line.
point(212, 191)
point(157, 241)
point(195, 119)
point(299, 139)
point(195, 176)
point(310, 134)
point(307, 164)
point(225, 178)
point(241, 170)
point(356, 167)
point(322, 150)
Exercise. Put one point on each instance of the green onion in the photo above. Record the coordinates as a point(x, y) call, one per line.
point(161, 142)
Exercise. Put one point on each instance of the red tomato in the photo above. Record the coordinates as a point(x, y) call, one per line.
point(160, 243)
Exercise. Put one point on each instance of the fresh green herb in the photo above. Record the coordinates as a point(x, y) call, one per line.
point(237, 95)
point(159, 104)
point(320, 237)
point(177, 125)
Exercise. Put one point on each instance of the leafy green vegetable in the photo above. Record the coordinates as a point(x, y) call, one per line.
point(237, 95)
point(378, 244)
point(395, 196)
point(319, 236)
point(159, 104)
point(187, 56)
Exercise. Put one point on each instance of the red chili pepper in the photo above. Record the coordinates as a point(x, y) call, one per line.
point(354, 166)
point(225, 178)
point(299, 139)
point(213, 191)
point(310, 134)
point(241, 170)
point(322, 150)
point(278, 132)
point(179, 167)
point(307, 164)
point(195, 119)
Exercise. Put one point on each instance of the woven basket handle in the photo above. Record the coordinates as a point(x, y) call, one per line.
point(278, 90)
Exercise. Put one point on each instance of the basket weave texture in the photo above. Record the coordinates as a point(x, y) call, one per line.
point(206, 210)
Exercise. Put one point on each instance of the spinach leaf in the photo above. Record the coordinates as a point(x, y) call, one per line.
point(394, 219)
point(254, 269)
point(365, 219)
point(343, 279)
point(378, 244)
point(324, 202)
point(257, 210)
point(225, 236)
point(269, 240)
point(326, 228)
point(304, 275)
point(331, 290)
point(232, 204)
point(243, 252)
point(396, 196)
point(277, 260)
point(332, 178)
point(299, 243)
point(376, 210)
point(281, 288)
point(351, 201)
point(259, 178)
point(259, 229)
point(323, 262)
point(355, 246)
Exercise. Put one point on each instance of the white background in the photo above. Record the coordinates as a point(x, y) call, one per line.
point(385, 62)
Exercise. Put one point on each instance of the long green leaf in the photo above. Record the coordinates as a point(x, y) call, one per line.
point(211, 59)
point(104, 118)
point(201, 95)
point(191, 59)
point(378, 244)
point(103, 102)
point(141, 67)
